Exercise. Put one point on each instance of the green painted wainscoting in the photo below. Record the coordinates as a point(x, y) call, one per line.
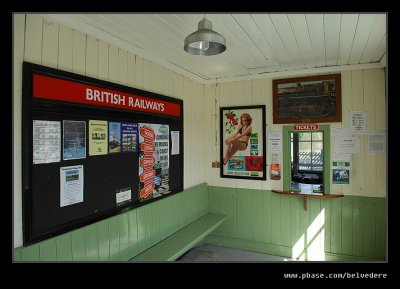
point(123, 236)
point(345, 229)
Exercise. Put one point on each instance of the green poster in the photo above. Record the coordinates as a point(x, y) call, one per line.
point(341, 173)
point(98, 137)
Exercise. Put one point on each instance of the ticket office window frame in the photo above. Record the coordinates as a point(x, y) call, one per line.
point(287, 165)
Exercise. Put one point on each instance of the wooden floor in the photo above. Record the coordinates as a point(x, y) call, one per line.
point(211, 253)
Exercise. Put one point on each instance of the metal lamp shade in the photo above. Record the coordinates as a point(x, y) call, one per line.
point(205, 41)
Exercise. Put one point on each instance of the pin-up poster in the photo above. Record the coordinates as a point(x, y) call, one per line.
point(243, 142)
point(153, 160)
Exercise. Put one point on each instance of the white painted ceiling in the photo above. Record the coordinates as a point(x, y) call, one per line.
point(258, 45)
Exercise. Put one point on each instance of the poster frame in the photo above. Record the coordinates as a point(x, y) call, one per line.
point(228, 125)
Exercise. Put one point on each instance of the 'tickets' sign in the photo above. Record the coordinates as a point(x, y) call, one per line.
point(70, 91)
point(306, 127)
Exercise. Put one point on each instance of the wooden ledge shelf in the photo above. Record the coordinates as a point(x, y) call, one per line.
point(305, 195)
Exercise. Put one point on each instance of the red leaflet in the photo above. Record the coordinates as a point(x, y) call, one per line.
point(146, 191)
point(148, 134)
point(147, 175)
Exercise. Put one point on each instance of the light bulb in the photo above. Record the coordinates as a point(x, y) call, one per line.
point(204, 45)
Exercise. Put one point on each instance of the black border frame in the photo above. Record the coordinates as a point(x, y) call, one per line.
point(31, 105)
point(263, 138)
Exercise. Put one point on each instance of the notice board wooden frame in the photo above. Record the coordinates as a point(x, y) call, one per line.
point(53, 95)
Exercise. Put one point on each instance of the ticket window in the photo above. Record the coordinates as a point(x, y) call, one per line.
point(306, 160)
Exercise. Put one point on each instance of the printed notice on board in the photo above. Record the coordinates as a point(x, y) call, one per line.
point(123, 196)
point(175, 142)
point(98, 137)
point(74, 140)
point(71, 183)
point(46, 141)
point(129, 137)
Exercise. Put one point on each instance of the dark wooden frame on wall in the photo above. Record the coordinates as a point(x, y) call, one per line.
point(307, 99)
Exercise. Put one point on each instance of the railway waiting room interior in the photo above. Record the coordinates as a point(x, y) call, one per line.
point(138, 137)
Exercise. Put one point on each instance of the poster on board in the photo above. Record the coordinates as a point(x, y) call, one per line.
point(153, 160)
point(98, 136)
point(129, 137)
point(46, 141)
point(74, 140)
point(114, 137)
point(71, 185)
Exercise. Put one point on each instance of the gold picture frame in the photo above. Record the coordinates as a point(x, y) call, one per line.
point(307, 99)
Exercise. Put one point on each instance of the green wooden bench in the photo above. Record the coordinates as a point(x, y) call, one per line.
point(179, 243)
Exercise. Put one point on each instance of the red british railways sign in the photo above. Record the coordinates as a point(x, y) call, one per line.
point(71, 91)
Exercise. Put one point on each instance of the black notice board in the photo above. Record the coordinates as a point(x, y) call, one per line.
point(62, 145)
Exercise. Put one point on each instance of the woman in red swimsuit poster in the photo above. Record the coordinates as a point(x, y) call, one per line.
point(240, 139)
point(242, 142)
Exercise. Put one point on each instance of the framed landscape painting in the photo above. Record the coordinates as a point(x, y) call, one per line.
point(242, 135)
point(307, 99)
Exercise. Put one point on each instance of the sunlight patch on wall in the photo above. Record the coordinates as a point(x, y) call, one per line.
point(298, 250)
point(311, 245)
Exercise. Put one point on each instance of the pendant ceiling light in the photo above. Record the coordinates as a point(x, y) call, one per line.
point(205, 41)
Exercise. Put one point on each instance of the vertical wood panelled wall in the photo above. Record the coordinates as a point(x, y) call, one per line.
point(346, 228)
point(362, 90)
point(43, 42)
point(331, 229)
point(122, 237)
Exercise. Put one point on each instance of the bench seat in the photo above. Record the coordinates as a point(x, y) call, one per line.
point(180, 242)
